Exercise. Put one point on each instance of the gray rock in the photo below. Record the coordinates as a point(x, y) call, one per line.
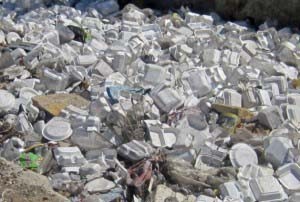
point(99, 185)
point(12, 149)
point(164, 193)
point(65, 34)
point(60, 180)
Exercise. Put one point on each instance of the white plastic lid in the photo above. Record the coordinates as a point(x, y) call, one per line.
point(242, 154)
point(7, 100)
point(57, 129)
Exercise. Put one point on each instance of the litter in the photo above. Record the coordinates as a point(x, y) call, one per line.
point(166, 98)
point(118, 103)
point(69, 156)
point(135, 150)
point(270, 117)
point(289, 176)
point(267, 189)
point(30, 161)
point(57, 129)
point(231, 189)
point(241, 155)
point(277, 149)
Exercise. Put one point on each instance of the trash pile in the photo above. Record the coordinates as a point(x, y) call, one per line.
point(132, 105)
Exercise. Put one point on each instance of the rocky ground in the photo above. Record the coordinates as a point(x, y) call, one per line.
point(18, 185)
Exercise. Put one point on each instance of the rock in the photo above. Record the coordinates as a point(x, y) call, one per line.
point(107, 7)
point(12, 149)
point(283, 11)
point(164, 193)
point(7, 101)
point(60, 180)
point(27, 186)
point(99, 185)
point(54, 103)
point(65, 34)
point(115, 194)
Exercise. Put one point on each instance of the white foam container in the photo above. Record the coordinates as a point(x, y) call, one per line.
point(289, 177)
point(267, 189)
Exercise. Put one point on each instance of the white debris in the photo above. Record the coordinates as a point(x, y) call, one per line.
point(289, 177)
point(267, 189)
point(241, 155)
point(69, 156)
point(57, 129)
point(135, 150)
point(183, 99)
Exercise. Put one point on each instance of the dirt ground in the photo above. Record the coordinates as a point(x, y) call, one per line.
point(17, 185)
